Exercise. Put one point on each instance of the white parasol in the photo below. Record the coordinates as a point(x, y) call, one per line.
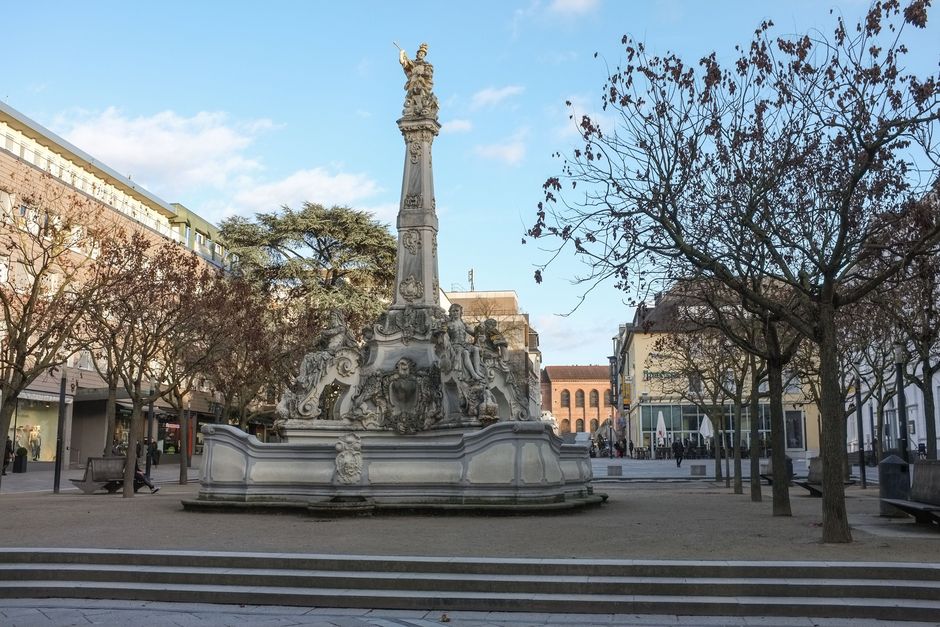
point(705, 430)
point(660, 429)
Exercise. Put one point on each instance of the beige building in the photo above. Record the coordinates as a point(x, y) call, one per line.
point(651, 396)
point(31, 155)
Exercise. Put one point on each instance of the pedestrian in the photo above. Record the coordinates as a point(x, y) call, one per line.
point(677, 451)
point(7, 454)
point(630, 446)
point(140, 479)
point(154, 453)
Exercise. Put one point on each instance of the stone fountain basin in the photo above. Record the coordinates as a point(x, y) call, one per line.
point(511, 466)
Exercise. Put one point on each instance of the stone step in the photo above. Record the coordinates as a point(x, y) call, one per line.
point(891, 571)
point(449, 582)
point(895, 591)
point(429, 600)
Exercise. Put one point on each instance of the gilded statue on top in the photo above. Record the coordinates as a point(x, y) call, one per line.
point(420, 100)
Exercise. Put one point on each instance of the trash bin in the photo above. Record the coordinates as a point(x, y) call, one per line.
point(894, 482)
point(19, 460)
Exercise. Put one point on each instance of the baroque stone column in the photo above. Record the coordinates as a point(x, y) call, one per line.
point(416, 279)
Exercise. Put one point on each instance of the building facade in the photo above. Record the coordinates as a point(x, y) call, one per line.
point(30, 152)
point(658, 408)
point(579, 398)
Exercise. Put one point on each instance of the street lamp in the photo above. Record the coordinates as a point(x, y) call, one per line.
point(900, 357)
point(613, 398)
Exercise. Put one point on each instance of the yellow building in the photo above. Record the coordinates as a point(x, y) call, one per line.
point(652, 397)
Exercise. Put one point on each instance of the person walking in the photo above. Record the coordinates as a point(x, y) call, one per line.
point(678, 451)
point(7, 454)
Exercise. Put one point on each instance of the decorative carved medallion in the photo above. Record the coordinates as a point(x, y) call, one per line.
point(349, 459)
point(413, 201)
point(415, 149)
point(411, 289)
point(411, 240)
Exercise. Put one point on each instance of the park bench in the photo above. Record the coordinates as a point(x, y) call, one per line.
point(813, 481)
point(102, 472)
point(767, 474)
point(924, 504)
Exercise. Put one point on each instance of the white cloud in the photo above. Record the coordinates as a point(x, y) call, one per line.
point(316, 185)
point(208, 156)
point(457, 126)
point(511, 151)
point(573, 7)
point(166, 152)
point(494, 95)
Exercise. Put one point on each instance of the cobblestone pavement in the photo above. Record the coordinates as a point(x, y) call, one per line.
point(62, 612)
point(655, 511)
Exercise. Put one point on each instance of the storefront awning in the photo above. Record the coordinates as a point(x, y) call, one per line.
point(43, 397)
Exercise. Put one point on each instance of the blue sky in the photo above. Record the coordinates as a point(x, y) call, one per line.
point(236, 107)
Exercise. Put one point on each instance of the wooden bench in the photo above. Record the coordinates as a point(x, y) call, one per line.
point(767, 474)
point(102, 472)
point(924, 504)
point(813, 481)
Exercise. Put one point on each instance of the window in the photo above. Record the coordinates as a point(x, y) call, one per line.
point(695, 383)
point(579, 398)
point(565, 398)
point(594, 426)
point(579, 426)
point(200, 239)
point(608, 398)
point(565, 426)
point(594, 398)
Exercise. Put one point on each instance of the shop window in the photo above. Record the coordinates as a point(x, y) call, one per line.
point(595, 397)
point(579, 398)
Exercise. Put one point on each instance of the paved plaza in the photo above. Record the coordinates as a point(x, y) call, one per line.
point(655, 511)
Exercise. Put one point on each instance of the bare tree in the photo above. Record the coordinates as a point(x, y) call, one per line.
point(811, 149)
point(49, 237)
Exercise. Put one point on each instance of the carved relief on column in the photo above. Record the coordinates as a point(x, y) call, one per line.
point(411, 289)
point(414, 148)
point(413, 201)
point(349, 458)
point(411, 241)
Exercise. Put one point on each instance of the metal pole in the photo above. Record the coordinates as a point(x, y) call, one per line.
point(861, 439)
point(149, 433)
point(902, 404)
point(58, 438)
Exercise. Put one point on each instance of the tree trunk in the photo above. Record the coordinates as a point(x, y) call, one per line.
point(880, 440)
point(832, 440)
point(755, 432)
point(110, 410)
point(724, 448)
point(7, 408)
point(736, 443)
point(930, 420)
point(781, 487)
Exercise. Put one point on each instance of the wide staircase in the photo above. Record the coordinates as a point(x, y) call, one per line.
point(886, 591)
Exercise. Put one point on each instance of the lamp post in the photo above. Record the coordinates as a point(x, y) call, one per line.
point(59, 445)
point(899, 359)
point(149, 432)
point(614, 395)
point(860, 427)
